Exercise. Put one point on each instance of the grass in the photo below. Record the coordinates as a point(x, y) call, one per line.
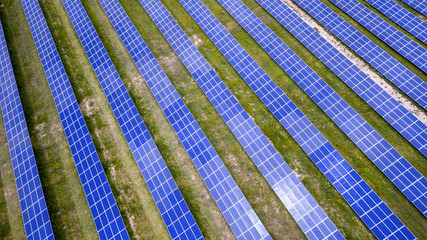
point(11, 222)
point(68, 210)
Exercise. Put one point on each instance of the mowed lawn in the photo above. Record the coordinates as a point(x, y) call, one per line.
point(67, 206)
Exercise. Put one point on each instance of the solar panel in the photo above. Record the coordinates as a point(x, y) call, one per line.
point(407, 81)
point(229, 198)
point(350, 185)
point(419, 5)
point(267, 159)
point(175, 212)
point(33, 205)
point(402, 17)
point(386, 32)
point(411, 182)
point(105, 212)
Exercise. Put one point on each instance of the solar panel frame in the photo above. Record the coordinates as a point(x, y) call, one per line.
point(342, 176)
point(169, 200)
point(386, 32)
point(236, 209)
point(268, 161)
point(102, 204)
point(409, 181)
point(34, 211)
point(396, 115)
point(417, 5)
point(402, 17)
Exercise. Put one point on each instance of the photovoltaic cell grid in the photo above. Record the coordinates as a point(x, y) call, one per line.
point(402, 17)
point(386, 158)
point(175, 212)
point(386, 32)
point(350, 185)
point(105, 212)
point(33, 205)
point(407, 81)
point(267, 159)
point(419, 5)
point(231, 201)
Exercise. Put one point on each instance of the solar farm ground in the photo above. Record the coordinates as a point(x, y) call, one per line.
point(68, 209)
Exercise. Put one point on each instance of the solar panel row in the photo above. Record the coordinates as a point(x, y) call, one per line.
point(351, 186)
point(386, 32)
point(231, 201)
point(419, 5)
point(407, 81)
point(31, 198)
point(105, 212)
point(387, 159)
point(294, 196)
point(402, 17)
point(175, 212)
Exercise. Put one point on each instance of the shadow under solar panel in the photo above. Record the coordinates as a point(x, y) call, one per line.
point(419, 5)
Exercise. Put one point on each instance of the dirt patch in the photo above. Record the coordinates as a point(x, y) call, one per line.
point(230, 26)
point(196, 40)
point(88, 106)
point(171, 62)
point(359, 62)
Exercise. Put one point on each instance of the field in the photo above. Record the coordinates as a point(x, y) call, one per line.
point(68, 209)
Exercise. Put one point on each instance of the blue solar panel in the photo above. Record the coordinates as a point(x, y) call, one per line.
point(350, 185)
point(402, 17)
point(407, 81)
point(271, 165)
point(387, 159)
point(105, 212)
point(168, 198)
point(231, 201)
point(33, 205)
point(386, 32)
point(419, 5)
